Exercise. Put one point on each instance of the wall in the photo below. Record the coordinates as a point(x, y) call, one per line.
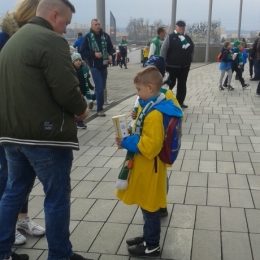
point(200, 52)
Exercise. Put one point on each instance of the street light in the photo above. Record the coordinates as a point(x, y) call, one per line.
point(209, 31)
point(173, 18)
point(240, 19)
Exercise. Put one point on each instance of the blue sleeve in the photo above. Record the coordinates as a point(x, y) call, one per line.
point(75, 44)
point(130, 143)
point(85, 50)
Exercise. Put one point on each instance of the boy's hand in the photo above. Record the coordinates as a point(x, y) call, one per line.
point(133, 114)
point(119, 140)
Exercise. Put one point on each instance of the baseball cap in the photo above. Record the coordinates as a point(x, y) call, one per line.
point(181, 23)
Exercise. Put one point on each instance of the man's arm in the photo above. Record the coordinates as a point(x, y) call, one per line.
point(165, 47)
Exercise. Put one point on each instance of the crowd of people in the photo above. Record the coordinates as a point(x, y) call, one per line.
point(45, 96)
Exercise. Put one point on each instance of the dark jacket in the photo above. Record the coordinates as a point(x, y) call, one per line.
point(87, 53)
point(226, 55)
point(39, 93)
point(78, 43)
point(254, 50)
point(174, 54)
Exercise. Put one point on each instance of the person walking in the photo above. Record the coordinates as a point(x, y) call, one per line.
point(255, 56)
point(11, 23)
point(123, 51)
point(39, 101)
point(156, 43)
point(177, 50)
point(97, 48)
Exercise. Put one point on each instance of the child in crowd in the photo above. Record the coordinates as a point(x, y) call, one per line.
point(237, 62)
point(146, 51)
point(147, 181)
point(244, 56)
point(225, 65)
point(84, 84)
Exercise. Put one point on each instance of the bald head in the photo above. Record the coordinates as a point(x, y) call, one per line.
point(57, 12)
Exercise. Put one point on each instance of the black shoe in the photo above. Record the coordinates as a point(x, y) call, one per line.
point(163, 212)
point(224, 85)
point(80, 125)
point(79, 257)
point(15, 256)
point(144, 250)
point(183, 106)
point(245, 86)
point(135, 241)
point(221, 88)
point(230, 88)
point(126, 68)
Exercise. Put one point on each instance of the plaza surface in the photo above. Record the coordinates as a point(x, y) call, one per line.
point(214, 196)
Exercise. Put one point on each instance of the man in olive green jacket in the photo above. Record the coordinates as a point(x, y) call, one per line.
point(39, 102)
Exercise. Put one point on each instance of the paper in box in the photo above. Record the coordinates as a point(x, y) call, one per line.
point(120, 126)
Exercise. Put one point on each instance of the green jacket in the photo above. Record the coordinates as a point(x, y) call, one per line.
point(157, 42)
point(39, 90)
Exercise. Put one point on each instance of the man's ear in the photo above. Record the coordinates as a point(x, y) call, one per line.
point(54, 16)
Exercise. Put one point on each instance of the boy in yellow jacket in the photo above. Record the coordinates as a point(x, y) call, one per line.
point(147, 177)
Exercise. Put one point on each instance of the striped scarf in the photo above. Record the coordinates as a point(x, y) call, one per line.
point(184, 42)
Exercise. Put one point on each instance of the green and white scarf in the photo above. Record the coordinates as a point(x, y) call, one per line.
point(184, 42)
point(94, 46)
point(85, 73)
point(122, 182)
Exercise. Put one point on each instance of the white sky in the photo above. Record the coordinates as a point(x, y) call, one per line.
point(189, 10)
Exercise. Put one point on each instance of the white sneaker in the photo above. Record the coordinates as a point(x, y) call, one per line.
point(19, 239)
point(30, 227)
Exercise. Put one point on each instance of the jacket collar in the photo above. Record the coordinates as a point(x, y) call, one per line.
point(42, 22)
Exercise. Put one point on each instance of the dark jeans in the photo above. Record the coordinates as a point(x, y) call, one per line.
point(52, 166)
point(239, 75)
point(4, 177)
point(123, 59)
point(180, 74)
point(251, 65)
point(257, 69)
point(100, 79)
point(152, 227)
point(145, 60)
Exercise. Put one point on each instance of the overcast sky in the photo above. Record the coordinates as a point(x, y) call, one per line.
point(189, 10)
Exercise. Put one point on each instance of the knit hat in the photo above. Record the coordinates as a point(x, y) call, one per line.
point(76, 56)
point(237, 42)
point(181, 23)
point(158, 62)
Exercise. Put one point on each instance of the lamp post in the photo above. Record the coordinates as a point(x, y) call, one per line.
point(240, 19)
point(209, 31)
point(173, 18)
point(101, 13)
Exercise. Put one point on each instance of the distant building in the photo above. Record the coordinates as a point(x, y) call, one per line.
point(79, 26)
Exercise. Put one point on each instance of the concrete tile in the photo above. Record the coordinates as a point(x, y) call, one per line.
point(225, 167)
point(196, 195)
point(83, 160)
point(207, 166)
point(244, 168)
point(179, 178)
point(224, 156)
point(256, 198)
point(177, 244)
point(190, 165)
point(233, 219)
point(198, 179)
point(176, 194)
point(245, 148)
point(255, 241)
point(192, 155)
point(206, 245)
point(80, 207)
point(256, 167)
point(115, 162)
point(104, 244)
point(238, 181)
point(97, 174)
point(241, 157)
point(217, 180)
point(104, 190)
point(236, 246)
point(112, 175)
point(230, 147)
point(200, 146)
point(183, 216)
point(253, 216)
point(80, 173)
point(108, 151)
point(254, 182)
point(208, 155)
point(113, 257)
point(215, 146)
point(98, 161)
point(83, 189)
point(218, 197)
point(241, 198)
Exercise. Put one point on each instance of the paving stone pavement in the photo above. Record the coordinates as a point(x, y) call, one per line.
point(214, 195)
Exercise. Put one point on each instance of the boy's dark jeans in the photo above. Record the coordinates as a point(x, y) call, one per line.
point(239, 75)
point(152, 227)
point(251, 65)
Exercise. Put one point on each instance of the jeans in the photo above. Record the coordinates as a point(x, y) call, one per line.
point(181, 74)
point(52, 166)
point(152, 227)
point(257, 69)
point(4, 177)
point(100, 79)
point(239, 75)
point(251, 65)
point(145, 60)
point(123, 59)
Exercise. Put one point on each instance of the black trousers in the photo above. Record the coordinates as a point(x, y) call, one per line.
point(251, 66)
point(239, 75)
point(145, 60)
point(180, 74)
point(123, 59)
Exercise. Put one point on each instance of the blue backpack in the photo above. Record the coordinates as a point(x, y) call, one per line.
point(172, 139)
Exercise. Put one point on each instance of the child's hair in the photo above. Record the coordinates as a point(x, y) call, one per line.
point(226, 44)
point(149, 75)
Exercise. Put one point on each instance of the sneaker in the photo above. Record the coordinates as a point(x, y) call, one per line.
point(135, 241)
point(163, 212)
point(183, 106)
point(101, 113)
point(221, 88)
point(230, 88)
point(30, 227)
point(79, 257)
point(245, 86)
point(15, 256)
point(19, 239)
point(90, 104)
point(144, 250)
point(80, 125)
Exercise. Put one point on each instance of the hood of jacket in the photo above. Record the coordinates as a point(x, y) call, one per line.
point(9, 24)
point(168, 108)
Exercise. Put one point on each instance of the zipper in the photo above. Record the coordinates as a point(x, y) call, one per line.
point(63, 121)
